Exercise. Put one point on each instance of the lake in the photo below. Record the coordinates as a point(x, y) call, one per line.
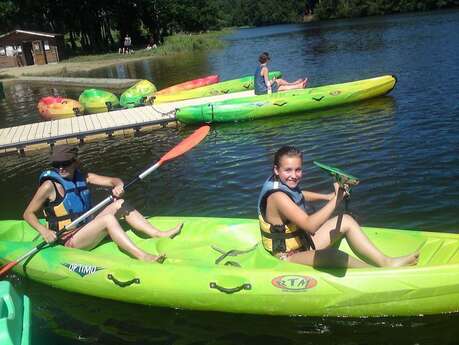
point(404, 147)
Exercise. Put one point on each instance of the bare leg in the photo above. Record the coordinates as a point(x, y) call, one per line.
point(107, 223)
point(329, 257)
point(282, 82)
point(138, 222)
point(328, 234)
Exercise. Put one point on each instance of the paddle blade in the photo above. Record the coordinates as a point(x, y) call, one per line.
point(186, 144)
point(7, 267)
point(341, 176)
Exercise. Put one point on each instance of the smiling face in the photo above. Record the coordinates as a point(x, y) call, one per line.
point(289, 170)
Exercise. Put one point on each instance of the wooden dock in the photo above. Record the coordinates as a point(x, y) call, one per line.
point(80, 128)
point(97, 126)
point(111, 83)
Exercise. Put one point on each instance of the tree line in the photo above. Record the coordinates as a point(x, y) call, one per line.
point(94, 26)
point(360, 8)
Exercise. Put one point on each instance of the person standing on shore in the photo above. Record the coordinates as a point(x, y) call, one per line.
point(127, 44)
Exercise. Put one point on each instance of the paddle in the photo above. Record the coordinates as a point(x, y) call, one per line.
point(181, 148)
point(345, 180)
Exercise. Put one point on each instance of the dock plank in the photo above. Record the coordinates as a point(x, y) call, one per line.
point(88, 122)
point(11, 134)
point(82, 123)
point(5, 135)
point(40, 130)
point(33, 131)
point(17, 134)
point(47, 130)
point(75, 125)
point(54, 130)
point(24, 132)
point(138, 115)
point(102, 117)
point(65, 126)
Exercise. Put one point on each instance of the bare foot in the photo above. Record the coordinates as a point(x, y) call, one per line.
point(407, 260)
point(305, 83)
point(153, 258)
point(172, 232)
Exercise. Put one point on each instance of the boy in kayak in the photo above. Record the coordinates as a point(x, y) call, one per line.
point(263, 85)
point(64, 195)
point(291, 232)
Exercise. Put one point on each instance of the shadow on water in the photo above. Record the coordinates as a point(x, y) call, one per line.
point(66, 319)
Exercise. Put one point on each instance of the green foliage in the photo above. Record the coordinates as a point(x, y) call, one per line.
point(357, 8)
point(99, 26)
point(175, 44)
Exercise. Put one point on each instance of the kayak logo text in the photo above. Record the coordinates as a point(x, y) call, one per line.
point(82, 270)
point(294, 283)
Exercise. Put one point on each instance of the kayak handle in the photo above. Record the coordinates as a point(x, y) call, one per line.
point(245, 286)
point(123, 284)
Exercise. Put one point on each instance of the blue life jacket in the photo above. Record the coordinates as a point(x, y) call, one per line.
point(75, 202)
point(280, 238)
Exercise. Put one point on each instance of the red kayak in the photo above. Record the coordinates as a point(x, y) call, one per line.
point(188, 85)
point(52, 108)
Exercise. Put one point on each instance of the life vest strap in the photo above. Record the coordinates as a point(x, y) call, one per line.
point(278, 237)
point(281, 235)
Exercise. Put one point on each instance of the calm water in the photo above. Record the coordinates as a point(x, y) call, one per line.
point(404, 147)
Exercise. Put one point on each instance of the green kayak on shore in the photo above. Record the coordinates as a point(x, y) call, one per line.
point(286, 102)
point(221, 88)
point(218, 264)
point(14, 316)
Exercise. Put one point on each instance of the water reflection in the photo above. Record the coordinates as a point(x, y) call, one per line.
point(80, 320)
point(162, 71)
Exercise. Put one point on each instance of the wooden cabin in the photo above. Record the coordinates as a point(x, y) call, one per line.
point(24, 48)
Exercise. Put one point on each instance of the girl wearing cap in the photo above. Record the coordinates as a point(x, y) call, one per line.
point(64, 195)
point(291, 232)
point(263, 85)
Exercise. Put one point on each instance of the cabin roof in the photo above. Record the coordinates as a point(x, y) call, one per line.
point(18, 36)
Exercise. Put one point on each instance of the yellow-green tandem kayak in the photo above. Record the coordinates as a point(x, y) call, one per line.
point(218, 264)
point(286, 102)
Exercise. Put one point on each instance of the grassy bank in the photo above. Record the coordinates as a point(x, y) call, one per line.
point(176, 44)
point(173, 45)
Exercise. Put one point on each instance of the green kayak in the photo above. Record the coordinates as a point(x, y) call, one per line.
point(98, 101)
point(224, 87)
point(14, 316)
point(286, 102)
point(138, 94)
point(218, 264)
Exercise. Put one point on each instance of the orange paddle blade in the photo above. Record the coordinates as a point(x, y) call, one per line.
point(7, 267)
point(187, 144)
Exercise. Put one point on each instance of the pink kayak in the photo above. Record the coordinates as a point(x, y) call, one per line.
point(188, 85)
point(52, 108)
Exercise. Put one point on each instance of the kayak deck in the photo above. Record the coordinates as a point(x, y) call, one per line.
point(201, 239)
point(219, 264)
